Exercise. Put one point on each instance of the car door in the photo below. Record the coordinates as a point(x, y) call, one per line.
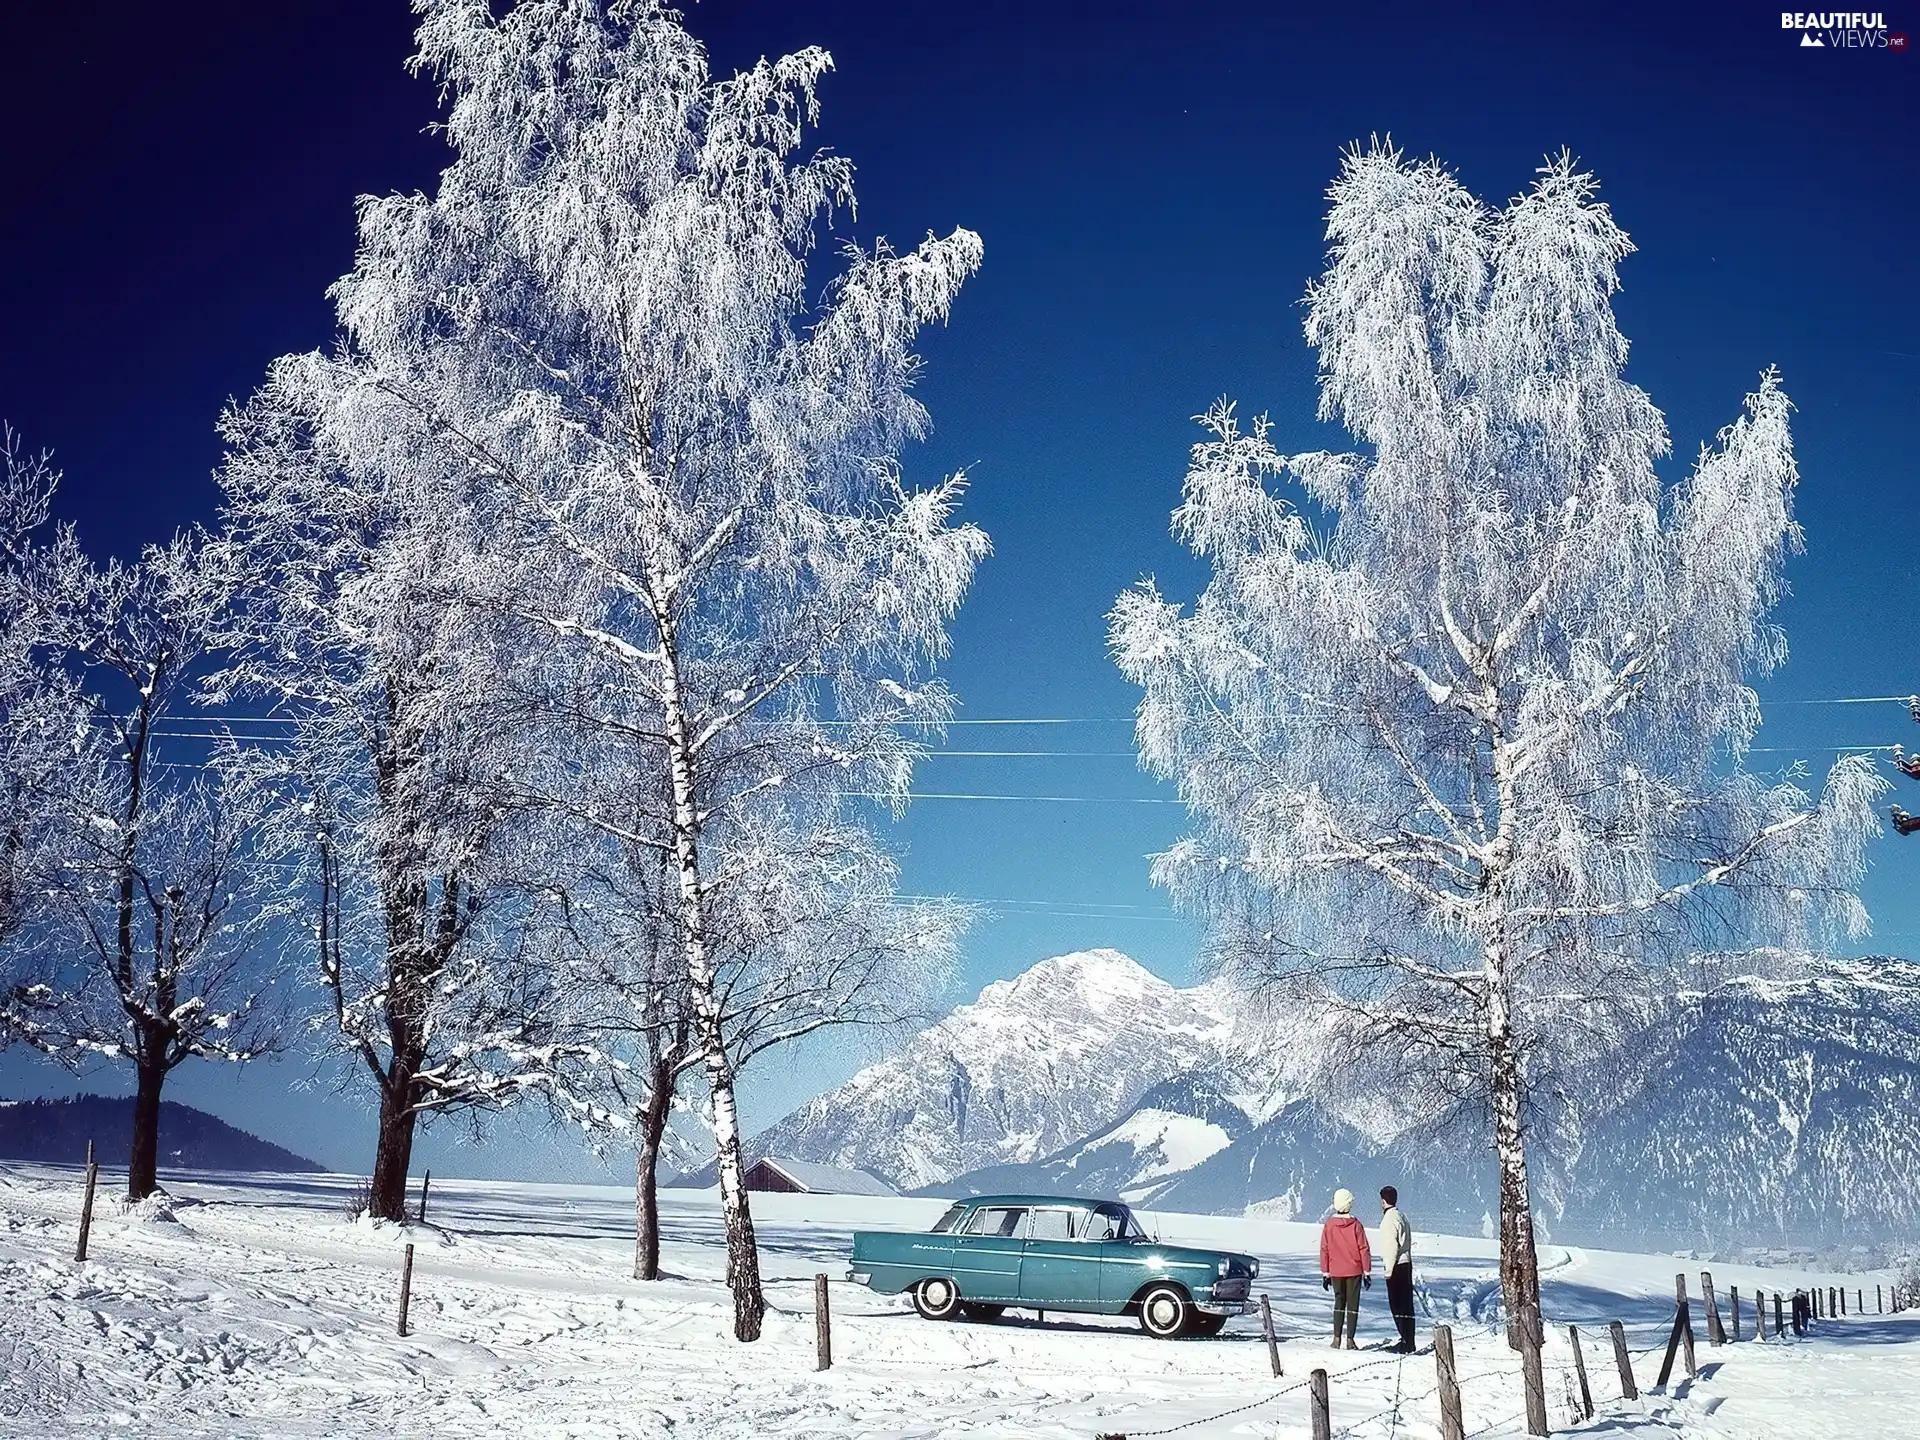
point(1061, 1267)
point(987, 1254)
point(1126, 1262)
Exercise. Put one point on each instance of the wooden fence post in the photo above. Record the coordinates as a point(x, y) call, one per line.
point(86, 1206)
point(406, 1290)
point(1530, 1369)
point(1860, 1299)
point(1879, 1301)
point(1682, 1333)
point(1317, 1406)
point(425, 1181)
point(1686, 1334)
point(1623, 1362)
point(822, 1326)
point(1716, 1332)
point(1580, 1372)
point(1778, 1329)
point(1452, 1426)
point(1266, 1329)
point(1760, 1315)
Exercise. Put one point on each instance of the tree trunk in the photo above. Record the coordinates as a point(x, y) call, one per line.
point(143, 1163)
point(646, 1179)
point(387, 1198)
point(1519, 1263)
point(743, 1256)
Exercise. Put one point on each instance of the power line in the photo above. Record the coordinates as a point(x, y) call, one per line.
point(1052, 799)
point(226, 720)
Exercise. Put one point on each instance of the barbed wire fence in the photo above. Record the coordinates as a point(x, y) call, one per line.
point(1557, 1353)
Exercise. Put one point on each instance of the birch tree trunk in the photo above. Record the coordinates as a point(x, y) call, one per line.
point(1519, 1266)
point(1519, 1263)
point(743, 1257)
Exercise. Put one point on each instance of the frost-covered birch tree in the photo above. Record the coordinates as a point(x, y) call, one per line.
point(1462, 719)
point(598, 339)
point(604, 318)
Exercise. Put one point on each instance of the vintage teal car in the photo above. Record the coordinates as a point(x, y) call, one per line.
point(1045, 1252)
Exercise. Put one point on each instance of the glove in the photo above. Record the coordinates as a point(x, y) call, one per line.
point(1366, 1282)
point(1326, 1282)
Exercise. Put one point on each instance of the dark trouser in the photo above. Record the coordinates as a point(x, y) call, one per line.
point(1346, 1305)
point(1400, 1300)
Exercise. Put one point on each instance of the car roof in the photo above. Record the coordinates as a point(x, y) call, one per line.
point(1078, 1202)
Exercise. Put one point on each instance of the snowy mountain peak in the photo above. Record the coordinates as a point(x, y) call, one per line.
point(1100, 977)
point(1035, 1063)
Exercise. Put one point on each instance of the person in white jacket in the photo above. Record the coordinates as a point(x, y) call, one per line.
point(1396, 1258)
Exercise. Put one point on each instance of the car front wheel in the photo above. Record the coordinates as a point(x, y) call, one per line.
point(936, 1299)
point(1163, 1311)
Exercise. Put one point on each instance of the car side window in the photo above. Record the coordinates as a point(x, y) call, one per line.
point(1006, 1220)
point(1058, 1224)
point(1108, 1224)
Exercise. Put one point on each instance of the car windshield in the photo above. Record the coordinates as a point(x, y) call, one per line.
point(1112, 1222)
point(947, 1221)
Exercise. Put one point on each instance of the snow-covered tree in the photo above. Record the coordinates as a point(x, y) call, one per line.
point(1462, 721)
point(143, 945)
point(808, 937)
point(41, 712)
point(1908, 765)
point(606, 326)
point(388, 795)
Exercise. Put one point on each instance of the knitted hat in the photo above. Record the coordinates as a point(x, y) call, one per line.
point(1342, 1202)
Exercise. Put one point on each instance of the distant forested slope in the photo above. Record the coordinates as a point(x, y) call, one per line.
point(57, 1131)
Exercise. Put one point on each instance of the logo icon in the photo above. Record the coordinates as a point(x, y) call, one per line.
point(1812, 42)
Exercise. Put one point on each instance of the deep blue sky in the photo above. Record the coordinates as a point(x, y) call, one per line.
point(1148, 179)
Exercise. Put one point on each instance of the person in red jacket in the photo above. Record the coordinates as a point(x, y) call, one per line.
point(1345, 1265)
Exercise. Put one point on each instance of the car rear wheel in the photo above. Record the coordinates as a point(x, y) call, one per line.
point(1203, 1324)
point(936, 1299)
point(1164, 1311)
point(981, 1314)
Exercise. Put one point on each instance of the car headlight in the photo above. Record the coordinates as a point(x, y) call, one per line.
point(1255, 1271)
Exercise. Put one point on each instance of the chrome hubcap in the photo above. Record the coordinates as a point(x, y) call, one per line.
point(937, 1294)
point(1162, 1312)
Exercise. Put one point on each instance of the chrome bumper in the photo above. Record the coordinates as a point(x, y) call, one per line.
point(1225, 1307)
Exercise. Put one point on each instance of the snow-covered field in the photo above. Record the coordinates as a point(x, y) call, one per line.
point(260, 1310)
